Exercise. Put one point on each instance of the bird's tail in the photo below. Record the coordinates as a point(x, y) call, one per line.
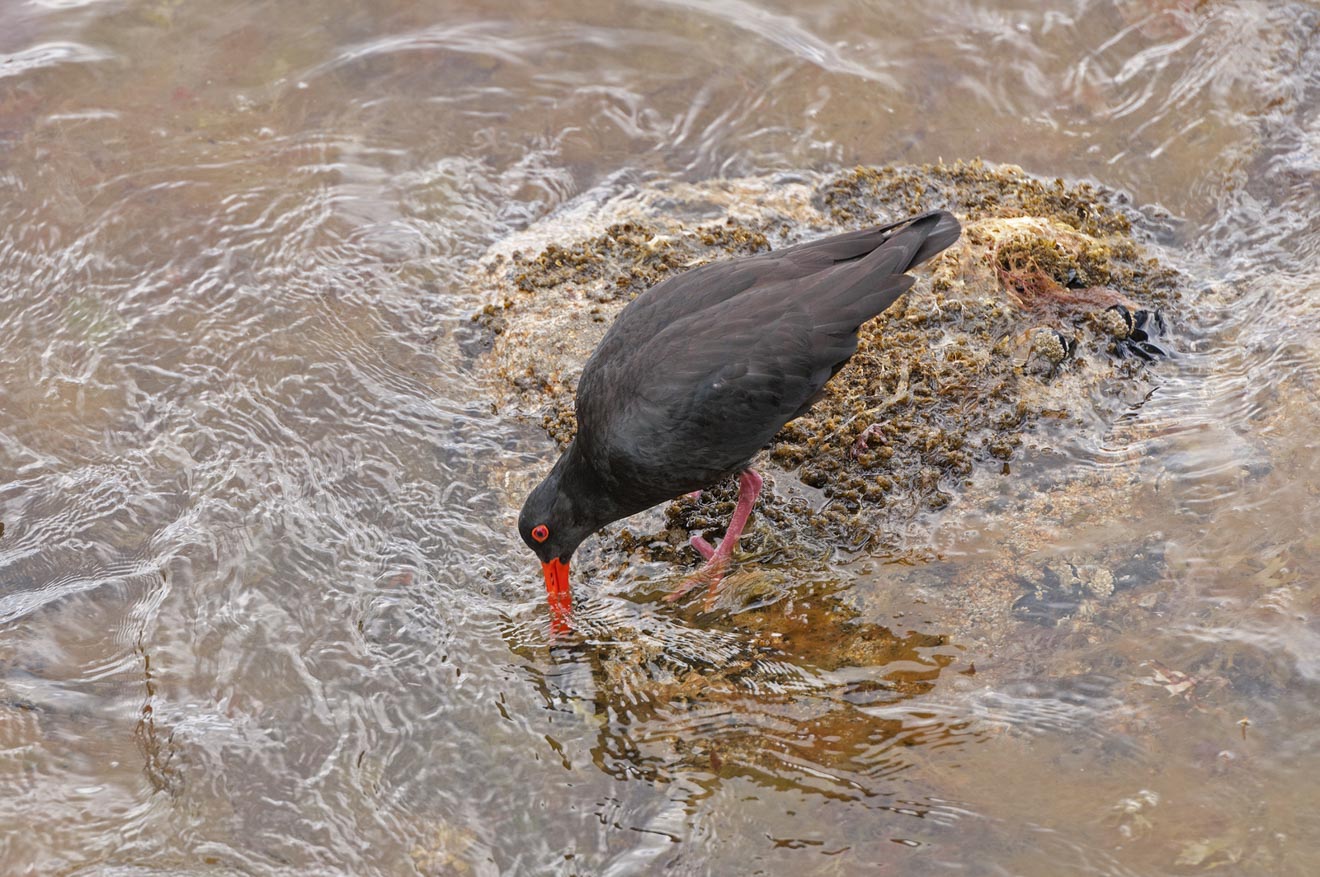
point(939, 230)
point(857, 290)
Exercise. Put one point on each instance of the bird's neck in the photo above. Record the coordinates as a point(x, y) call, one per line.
point(591, 494)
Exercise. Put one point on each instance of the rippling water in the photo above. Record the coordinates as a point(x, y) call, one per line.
point(262, 608)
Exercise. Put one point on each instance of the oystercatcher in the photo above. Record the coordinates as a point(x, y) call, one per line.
point(699, 372)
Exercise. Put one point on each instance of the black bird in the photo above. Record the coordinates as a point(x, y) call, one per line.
point(699, 372)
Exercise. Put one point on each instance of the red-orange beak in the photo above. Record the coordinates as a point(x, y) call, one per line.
point(556, 589)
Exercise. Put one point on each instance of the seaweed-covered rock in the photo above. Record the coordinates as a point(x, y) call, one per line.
point(1013, 336)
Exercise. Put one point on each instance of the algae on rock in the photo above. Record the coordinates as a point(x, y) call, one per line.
point(1011, 336)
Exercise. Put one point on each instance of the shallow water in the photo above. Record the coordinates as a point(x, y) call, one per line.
point(262, 605)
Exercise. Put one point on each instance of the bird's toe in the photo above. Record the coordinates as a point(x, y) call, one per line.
point(703, 547)
point(710, 575)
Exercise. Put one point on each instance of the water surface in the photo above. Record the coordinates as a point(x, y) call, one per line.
point(262, 605)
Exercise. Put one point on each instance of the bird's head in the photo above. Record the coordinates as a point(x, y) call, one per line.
point(553, 525)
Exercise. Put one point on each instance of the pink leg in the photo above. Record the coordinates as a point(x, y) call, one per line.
point(749, 487)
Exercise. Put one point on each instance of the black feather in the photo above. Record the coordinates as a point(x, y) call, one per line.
point(699, 372)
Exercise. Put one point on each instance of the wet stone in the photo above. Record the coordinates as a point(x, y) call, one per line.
point(1014, 334)
point(1068, 587)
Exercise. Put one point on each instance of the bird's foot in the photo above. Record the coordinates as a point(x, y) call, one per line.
point(717, 559)
point(710, 575)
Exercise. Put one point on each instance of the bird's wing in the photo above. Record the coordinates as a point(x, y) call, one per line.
point(705, 393)
point(700, 372)
point(693, 402)
point(710, 285)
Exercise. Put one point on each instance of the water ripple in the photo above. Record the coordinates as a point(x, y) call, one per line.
point(50, 55)
point(263, 601)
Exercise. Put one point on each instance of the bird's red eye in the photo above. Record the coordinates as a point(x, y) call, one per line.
point(540, 532)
